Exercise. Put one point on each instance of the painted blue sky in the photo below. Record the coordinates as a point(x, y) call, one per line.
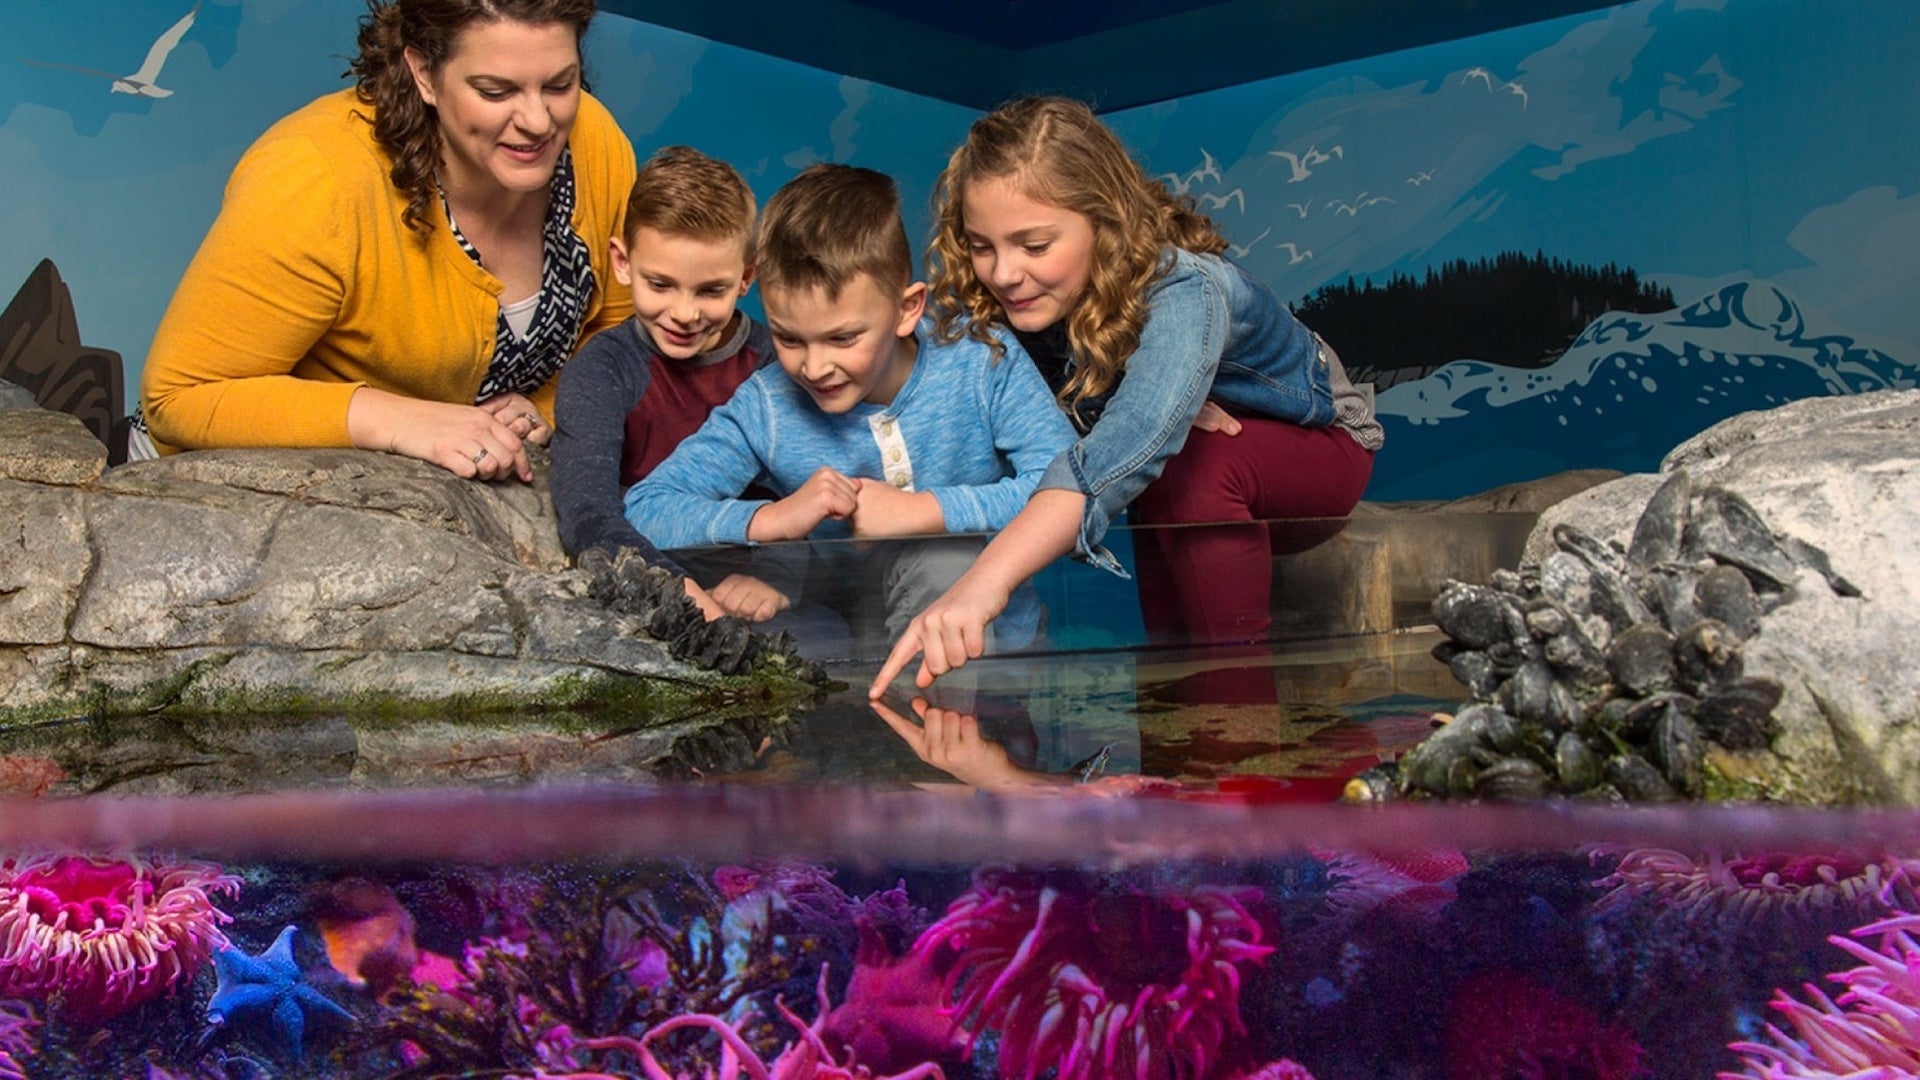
point(118, 190)
point(1696, 141)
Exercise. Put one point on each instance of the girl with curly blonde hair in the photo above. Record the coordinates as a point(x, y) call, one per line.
point(1198, 396)
point(403, 265)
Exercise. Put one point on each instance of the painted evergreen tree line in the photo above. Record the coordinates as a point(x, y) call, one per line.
point(1513, 309)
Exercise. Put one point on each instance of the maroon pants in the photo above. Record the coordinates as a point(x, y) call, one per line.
point(1212, 583)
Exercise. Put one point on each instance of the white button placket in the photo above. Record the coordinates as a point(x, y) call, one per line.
point(895, 465)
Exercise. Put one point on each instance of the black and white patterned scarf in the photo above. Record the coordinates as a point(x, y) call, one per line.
point(523, 365)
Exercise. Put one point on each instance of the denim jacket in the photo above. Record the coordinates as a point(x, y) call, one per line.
point(1212, 330)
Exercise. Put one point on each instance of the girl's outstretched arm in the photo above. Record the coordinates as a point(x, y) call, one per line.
point(953, 629)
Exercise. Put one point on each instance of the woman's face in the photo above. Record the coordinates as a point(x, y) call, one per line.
point(507, 96)
point(1034, 257)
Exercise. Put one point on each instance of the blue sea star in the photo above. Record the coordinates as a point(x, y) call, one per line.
point(269, 988)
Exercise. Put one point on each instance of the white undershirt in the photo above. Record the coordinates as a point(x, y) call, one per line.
point(520, 315)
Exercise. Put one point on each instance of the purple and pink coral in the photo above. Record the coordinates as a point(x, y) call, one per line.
point(807, 1059)
point(16, 1038)
point(1507, 1023)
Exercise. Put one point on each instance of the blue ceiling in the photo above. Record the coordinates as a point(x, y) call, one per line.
point(1114, 53)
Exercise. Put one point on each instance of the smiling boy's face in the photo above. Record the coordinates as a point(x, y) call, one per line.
point(852, 348)
point(684, 287)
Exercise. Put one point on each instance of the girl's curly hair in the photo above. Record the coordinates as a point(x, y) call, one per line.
point(404, 125)
point(1058, 152)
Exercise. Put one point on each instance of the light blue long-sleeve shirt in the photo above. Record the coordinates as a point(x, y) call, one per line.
point(974, 432)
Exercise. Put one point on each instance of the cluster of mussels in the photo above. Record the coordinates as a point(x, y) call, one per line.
point(1608, 674)
point(657, 597)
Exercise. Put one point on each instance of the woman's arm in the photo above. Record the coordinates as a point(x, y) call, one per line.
point(269, 279)
point(279, 270)
point(953, 628)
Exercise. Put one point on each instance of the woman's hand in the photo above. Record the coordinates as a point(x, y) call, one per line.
point(520, 416)
point(466, 440)
point(1214, 418)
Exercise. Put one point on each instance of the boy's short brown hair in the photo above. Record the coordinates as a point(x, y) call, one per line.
point(830, 224)
point(683, 192)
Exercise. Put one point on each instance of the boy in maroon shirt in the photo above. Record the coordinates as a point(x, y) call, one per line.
point(635, 390)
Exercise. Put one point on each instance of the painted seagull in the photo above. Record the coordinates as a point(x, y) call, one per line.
point(1494, 85)
point(1208, 169)
point(1217, 202)
point(1302, 165)
point(141, 82)
point(1242, 252)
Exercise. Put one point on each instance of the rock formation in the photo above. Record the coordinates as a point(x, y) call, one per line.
point(1836, 482)
point(265, 581)
point(40, 351)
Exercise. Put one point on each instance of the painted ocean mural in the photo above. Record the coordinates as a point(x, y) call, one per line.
point(1692, 141)
point(1629, 388)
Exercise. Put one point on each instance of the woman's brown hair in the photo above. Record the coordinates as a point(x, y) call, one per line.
point(404, 125)
point(1059, 153)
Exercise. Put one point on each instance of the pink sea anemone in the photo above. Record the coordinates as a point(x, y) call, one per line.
point(1761, 886)
point(1871, 1032)
point(1099, 983)
point(105, 935)
point(1418, 883)
point(16, 1038)
point(1509, 1024)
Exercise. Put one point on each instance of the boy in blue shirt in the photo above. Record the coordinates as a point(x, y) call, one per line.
point(870, 428)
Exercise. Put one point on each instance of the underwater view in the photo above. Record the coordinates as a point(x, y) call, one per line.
point(598, 933)
point(1114, 854)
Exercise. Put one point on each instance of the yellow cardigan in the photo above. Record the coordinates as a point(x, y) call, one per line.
point(309, 285)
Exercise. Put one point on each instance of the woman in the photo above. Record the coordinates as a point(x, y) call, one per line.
point(1194, 388)
point(403, 266)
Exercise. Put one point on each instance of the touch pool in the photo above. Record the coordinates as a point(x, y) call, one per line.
point(1116, 856)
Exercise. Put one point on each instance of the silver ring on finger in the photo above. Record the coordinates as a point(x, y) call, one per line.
point(480, 455)
point(532, 419)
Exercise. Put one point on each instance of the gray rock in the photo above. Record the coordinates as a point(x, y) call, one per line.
point(1841, 474)
point(263, 581)
point(40, 446)
point(15, 396)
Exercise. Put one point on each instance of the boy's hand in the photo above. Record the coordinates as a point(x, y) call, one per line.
point(710, 608)
point(826, 494)
point(750, 598)
point(884, 510)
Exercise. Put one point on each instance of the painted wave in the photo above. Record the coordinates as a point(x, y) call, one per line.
point(1629, 388)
